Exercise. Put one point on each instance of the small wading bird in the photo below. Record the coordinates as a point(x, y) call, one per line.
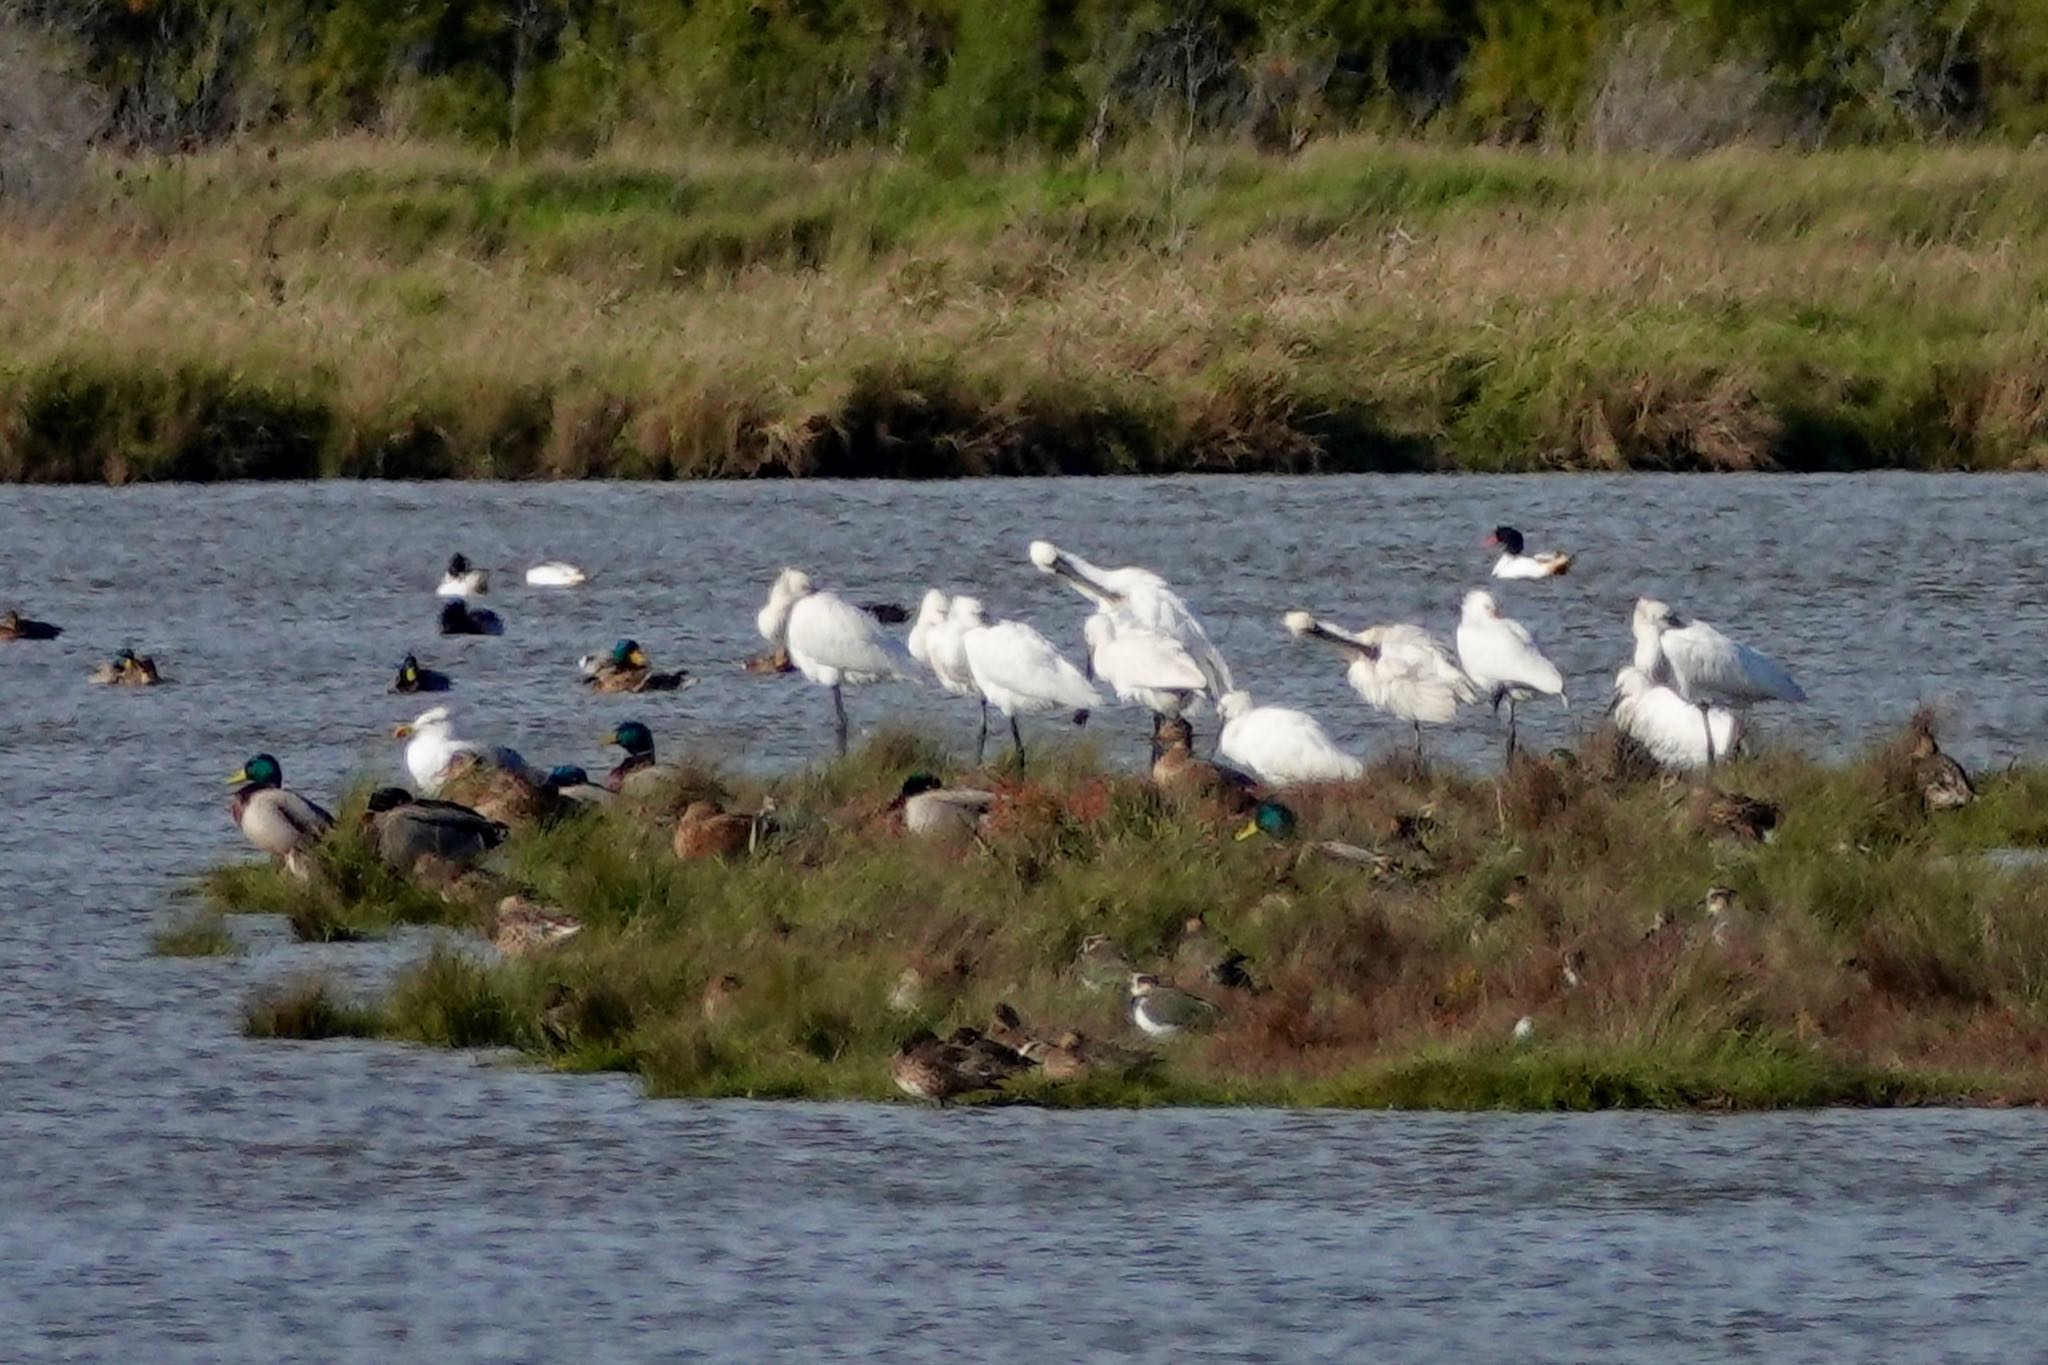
point(15, 626)
point(276, 820)
point(1163, 1012)
point(1279, 746)
point(832, 642)
point(1401, 670)
point(1513, 563)
point(1705, 667)
point(461, 580)
point(1140, 599)
point(1018, 672)
point(1502, 660)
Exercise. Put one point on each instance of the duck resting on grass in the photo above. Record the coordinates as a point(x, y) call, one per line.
point(15, 626)
point(933, 811)
point(519, 927)
point(570, 783)
point(637, 772)
point(275, 819)
point(408, 829)
point(927, 1069)
point(707, 830)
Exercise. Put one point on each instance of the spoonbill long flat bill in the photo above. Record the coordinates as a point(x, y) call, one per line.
point(1704, 666)
point(1138, 597)
point(1020, 673)
point(1667, 726)
point(1400, 669)
point(1280, 746)
point(1501, 658)
point(830, 641)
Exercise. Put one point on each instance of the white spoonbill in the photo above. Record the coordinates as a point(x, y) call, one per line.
point(1704, 666)
point(1138, 597)
point(830, 641)
point(1400, 669)
point(556, 573)
point(461, 580)
point(432, 745)
point(931, 614)
point(1513, 563)
point(946, 652)
point(1143, 667)
point(1281, 747)
point(1018, 672)
point(1501, 658)
point(1667, 726)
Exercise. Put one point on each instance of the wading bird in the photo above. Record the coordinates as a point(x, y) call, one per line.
point(1144, 667)
point(1705, 667)
point(830, 641)
point(556, 573)
point(1279, 746)
point(1402, 670)
point(1018, 672)
point(931, 614)
point(1667, 726)
point(1138, 597)
point(1502, 660)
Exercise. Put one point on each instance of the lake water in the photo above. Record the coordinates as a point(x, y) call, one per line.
point(169, 1191)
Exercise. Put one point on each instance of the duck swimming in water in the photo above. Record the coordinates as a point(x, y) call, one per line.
point(278, 821)
point(627, 669)
point(462, 580)
point(15, 626)
point(1513, 563)
point(128, 669)
point(556, 573)
point(413, 678)
point(459, 618)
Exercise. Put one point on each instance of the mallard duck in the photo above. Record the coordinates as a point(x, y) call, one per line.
point(637, 772)
point(462, 580)
point(556, 573)
point(413, 678)
point(459, 618)
point(708, 830)
point(15, 626)
point(1943, 783)
point(932, 811)
point(927, 1069)
point(128, 669)
point(1163, 1011)
point(573, 785)
point(513, 796)
point(1178, 774)
point(520, 927)
point(626, 669)
point(775, 660)
point(1513, 563)
point(408, 829)
point(1272, 819)
point(279, 822)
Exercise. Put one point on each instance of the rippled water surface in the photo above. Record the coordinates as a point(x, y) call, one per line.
point(169, 1191)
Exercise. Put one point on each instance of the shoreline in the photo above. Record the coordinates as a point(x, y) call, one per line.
point(1867, 956)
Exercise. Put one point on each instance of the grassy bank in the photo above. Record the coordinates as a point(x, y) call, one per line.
point(1869, 956)
point(369, 309)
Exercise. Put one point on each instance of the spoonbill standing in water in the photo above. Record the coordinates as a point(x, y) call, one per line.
point(1501, 658)
point(1667, 726)
point(1705, 667)
point(1281, 747)
point(1018, 672)
point(1144, 667)
point(1138, 597)
point(1402, 670)
point(830, 641)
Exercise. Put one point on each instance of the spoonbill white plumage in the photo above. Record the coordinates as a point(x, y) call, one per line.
point(1667, 726)
point(1705, 667)
point(1141, 598)
point(1514, 563)
point(931, 614)
point(1501, 658)
point(830, 641)
point(462, 580)
point(1400, 669)
point(1281, 747)
point(945, 650)
point(1018, 672)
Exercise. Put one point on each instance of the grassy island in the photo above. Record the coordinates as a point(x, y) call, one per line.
point(375, 308)
point(1870, 952)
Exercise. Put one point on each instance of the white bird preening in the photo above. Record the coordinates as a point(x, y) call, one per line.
point(1501, 658)
point(1143, 667)
point(1141, 599)
point(556, 573)
point(1513, 563)
point(1018, 672)
point(931, 614)
point(830, 641)
point(1667, 726)
point(1281, 747)
point(1705, 667)
point(1400, 669)
point(463, 580)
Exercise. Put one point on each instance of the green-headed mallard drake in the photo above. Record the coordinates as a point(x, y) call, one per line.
point(933, 811)
point(1163, 1011)
point(413, 678)
point(128, 669)
point(627, 669)
point(15, 626)
point(408, 829)
point(572, 784)
point(280, 822)
point(1272, 819)
point(638, 771)
point(708, 830)
point(460, 618)
point(928, 1069)
point(519, 927)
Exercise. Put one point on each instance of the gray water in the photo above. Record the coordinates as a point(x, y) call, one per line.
point(171, 1191)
